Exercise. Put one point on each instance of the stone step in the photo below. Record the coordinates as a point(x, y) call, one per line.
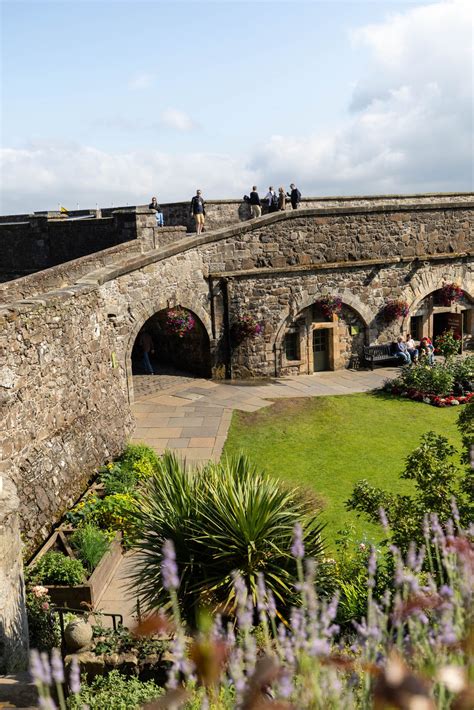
point(18, 691)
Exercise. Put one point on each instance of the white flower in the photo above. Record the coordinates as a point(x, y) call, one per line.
point(453, 677)
point(454, 402)
point(39, 591)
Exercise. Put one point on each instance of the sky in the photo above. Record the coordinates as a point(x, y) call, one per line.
point(112, 102)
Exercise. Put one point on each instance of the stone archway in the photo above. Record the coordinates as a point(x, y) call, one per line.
point(305, 342)
point(190, 354)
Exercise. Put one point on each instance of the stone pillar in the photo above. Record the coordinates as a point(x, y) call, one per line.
point(13, 623)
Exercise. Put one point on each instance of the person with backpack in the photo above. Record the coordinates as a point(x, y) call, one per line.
point(294, 195)
point(198, 211)
point(272, 199)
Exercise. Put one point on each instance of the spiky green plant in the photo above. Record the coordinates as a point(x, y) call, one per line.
point(225, 517)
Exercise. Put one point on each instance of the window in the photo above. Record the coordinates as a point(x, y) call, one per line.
point(291, 346)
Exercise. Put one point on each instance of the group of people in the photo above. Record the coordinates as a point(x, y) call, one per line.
point(407, 351)
point(276, 201)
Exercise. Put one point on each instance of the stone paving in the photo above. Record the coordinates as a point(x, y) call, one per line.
point(192, 418)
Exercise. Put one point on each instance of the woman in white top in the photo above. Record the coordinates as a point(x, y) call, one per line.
point(412, 349)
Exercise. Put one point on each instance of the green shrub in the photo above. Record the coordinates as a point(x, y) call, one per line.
point(91, 544)
point(437, 379)
point(447, 344)
point(43, 628)
point(228, 516)
point(114, 692)
point(463, 371)
point(141, 459)
point(83, 511)
point(118, 478)
point(56, 568)
point(117, 512)
point(437, 481)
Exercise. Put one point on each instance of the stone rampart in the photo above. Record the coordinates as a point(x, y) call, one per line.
point(67, 381)
point(222, 213)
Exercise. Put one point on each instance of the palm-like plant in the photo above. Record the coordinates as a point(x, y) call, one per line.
point(223, 518)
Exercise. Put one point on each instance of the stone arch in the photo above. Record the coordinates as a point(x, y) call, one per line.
point(344, 337)
point(142, 312)
point(304, 300)
point(424, 284)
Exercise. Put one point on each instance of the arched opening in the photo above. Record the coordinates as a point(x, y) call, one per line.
point(440, 311)
point(326, 335)
point(172, 341)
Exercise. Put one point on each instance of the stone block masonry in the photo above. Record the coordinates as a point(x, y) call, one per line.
point(67, 382)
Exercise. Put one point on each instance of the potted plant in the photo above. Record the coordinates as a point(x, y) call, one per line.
point(450, 293)
point(244, 328)
point(179, 322)
point(395, 309)
point(329, 306)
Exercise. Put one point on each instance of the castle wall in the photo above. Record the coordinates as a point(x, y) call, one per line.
point(67, 377)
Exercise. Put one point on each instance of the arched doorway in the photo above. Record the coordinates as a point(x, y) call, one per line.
point(175, 341)
point(318, 339)
point(435, 314)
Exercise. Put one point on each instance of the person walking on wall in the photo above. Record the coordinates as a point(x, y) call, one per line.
point(146, 343)
point(281, 199)
point(160, 222)
point(294, 195)
point(255, 204)
point(272, 199)
point(198, 211)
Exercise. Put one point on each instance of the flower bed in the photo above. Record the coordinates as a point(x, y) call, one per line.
point(442, 385)
point(78, 560)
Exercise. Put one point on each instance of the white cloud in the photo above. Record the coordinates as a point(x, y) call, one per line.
point(179, 120)
point(141, 81)
point(409, 128)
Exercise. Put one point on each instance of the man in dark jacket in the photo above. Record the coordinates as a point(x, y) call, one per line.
point(295, 196)
point(198, 211)
point(255, 204)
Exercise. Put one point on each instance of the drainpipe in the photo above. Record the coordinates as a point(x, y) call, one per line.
point(212, 306)
point(224, 283)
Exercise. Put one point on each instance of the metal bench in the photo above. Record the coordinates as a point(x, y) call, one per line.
point(379, 353)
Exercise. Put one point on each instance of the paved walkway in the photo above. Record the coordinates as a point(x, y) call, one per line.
point(191, 417)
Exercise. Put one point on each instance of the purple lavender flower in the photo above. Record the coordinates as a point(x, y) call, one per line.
point(37, 668)
point(261, 593)
point(169, 569)
point(46, 668)
point(271, 606)
point(383, 519)
point(75, 676)
point(285, 686)
point(297, 548)
point(57, 668)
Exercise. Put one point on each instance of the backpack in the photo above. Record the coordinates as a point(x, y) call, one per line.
point(275, 200)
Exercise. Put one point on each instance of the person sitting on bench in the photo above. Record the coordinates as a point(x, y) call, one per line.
point(401, 351)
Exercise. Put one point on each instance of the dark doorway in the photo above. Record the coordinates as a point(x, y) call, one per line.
point(447, 321)
point(320, 349)
point(173, 352)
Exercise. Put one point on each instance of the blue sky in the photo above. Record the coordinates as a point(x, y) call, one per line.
point(111, 102)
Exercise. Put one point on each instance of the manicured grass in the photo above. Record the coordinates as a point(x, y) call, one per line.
point(328, 443)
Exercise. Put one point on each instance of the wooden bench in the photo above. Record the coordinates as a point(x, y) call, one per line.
point(379, 353)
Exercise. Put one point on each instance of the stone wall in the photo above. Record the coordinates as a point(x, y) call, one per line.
point(13, 624)
point(64, 395)
point(222, 213)
point(67, 381)
point(42, 243)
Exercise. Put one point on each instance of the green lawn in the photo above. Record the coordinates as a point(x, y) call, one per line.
point(328, 443)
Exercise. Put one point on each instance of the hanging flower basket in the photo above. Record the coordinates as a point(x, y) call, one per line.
point(450, 293)
point(329, 305)
point(244, 328)
point(395, 309)
point(179, 322)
